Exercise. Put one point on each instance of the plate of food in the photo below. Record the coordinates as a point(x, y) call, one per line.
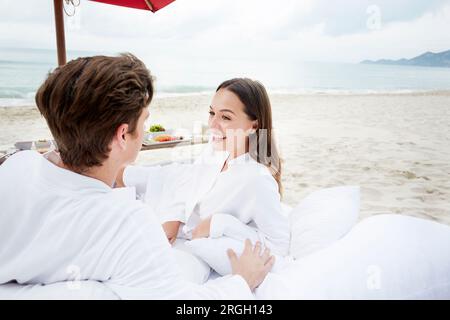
point(157, 130)
point(157, 134)
point(165, 140)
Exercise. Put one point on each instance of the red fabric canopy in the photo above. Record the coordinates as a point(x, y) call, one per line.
point(152, 5)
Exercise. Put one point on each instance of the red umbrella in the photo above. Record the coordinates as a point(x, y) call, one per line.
point(151, 5)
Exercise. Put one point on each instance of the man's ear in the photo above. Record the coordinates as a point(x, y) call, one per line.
point(121, 134)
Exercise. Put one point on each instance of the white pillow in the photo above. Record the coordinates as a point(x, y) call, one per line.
point(383, 257)
point(322, 218)
point(192, 268)
point(214, 252)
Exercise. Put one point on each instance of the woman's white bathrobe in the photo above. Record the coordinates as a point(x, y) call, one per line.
point(57, 225)
point(243, 201)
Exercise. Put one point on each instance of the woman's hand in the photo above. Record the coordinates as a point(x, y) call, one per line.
point(171, 230)
point(252, 265)
point(202, 230)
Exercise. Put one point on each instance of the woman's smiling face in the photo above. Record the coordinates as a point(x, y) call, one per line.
point(229, 124)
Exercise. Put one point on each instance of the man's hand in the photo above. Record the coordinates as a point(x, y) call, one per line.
point(202, 230)
point(171, 230)
point(251, 265)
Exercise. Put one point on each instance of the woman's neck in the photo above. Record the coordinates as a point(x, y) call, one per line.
point(231, 157)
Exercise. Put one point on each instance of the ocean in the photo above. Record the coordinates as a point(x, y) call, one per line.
point(23, 70)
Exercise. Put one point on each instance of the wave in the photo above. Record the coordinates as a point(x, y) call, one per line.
point(16, 98)
point(5, 63)
point(350, 91)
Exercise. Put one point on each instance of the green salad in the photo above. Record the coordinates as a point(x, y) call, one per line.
point(156, 128)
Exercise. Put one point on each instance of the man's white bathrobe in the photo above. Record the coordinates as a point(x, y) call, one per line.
point(57, 225)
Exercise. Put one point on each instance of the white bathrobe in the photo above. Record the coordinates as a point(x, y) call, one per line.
point(57, 225)
point(243, 201)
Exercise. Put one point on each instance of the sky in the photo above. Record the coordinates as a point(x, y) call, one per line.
point(233, 32)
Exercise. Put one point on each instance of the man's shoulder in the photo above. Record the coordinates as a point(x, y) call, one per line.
point(22, 158)
point(118, 204)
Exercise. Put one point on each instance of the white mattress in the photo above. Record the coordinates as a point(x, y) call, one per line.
point(411, 257)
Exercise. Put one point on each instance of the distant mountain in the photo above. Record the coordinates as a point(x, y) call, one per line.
point(428, 59)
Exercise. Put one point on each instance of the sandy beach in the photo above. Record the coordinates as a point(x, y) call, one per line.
point(395, 146)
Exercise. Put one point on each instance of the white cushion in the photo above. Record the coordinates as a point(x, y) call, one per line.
point(383, 257)
point(323, 217)
point(192, 268)
point(214, 252)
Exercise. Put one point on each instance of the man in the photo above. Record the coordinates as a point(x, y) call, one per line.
point(59, 213)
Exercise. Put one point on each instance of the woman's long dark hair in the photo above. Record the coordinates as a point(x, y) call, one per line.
point(262, 146)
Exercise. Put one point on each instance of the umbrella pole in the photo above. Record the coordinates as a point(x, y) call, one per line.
point(60, 39)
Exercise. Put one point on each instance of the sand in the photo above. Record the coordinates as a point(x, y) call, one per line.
point(396, 147)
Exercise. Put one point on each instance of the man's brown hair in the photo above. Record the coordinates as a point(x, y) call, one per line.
point(86, 100)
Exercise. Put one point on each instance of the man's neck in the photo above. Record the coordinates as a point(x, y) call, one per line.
point(106, 173)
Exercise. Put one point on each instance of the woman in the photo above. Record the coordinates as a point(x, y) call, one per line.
point(234, 189)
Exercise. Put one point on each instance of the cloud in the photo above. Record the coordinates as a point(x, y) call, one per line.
point(393, 40)
point(205, 33)
point(350, 16)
